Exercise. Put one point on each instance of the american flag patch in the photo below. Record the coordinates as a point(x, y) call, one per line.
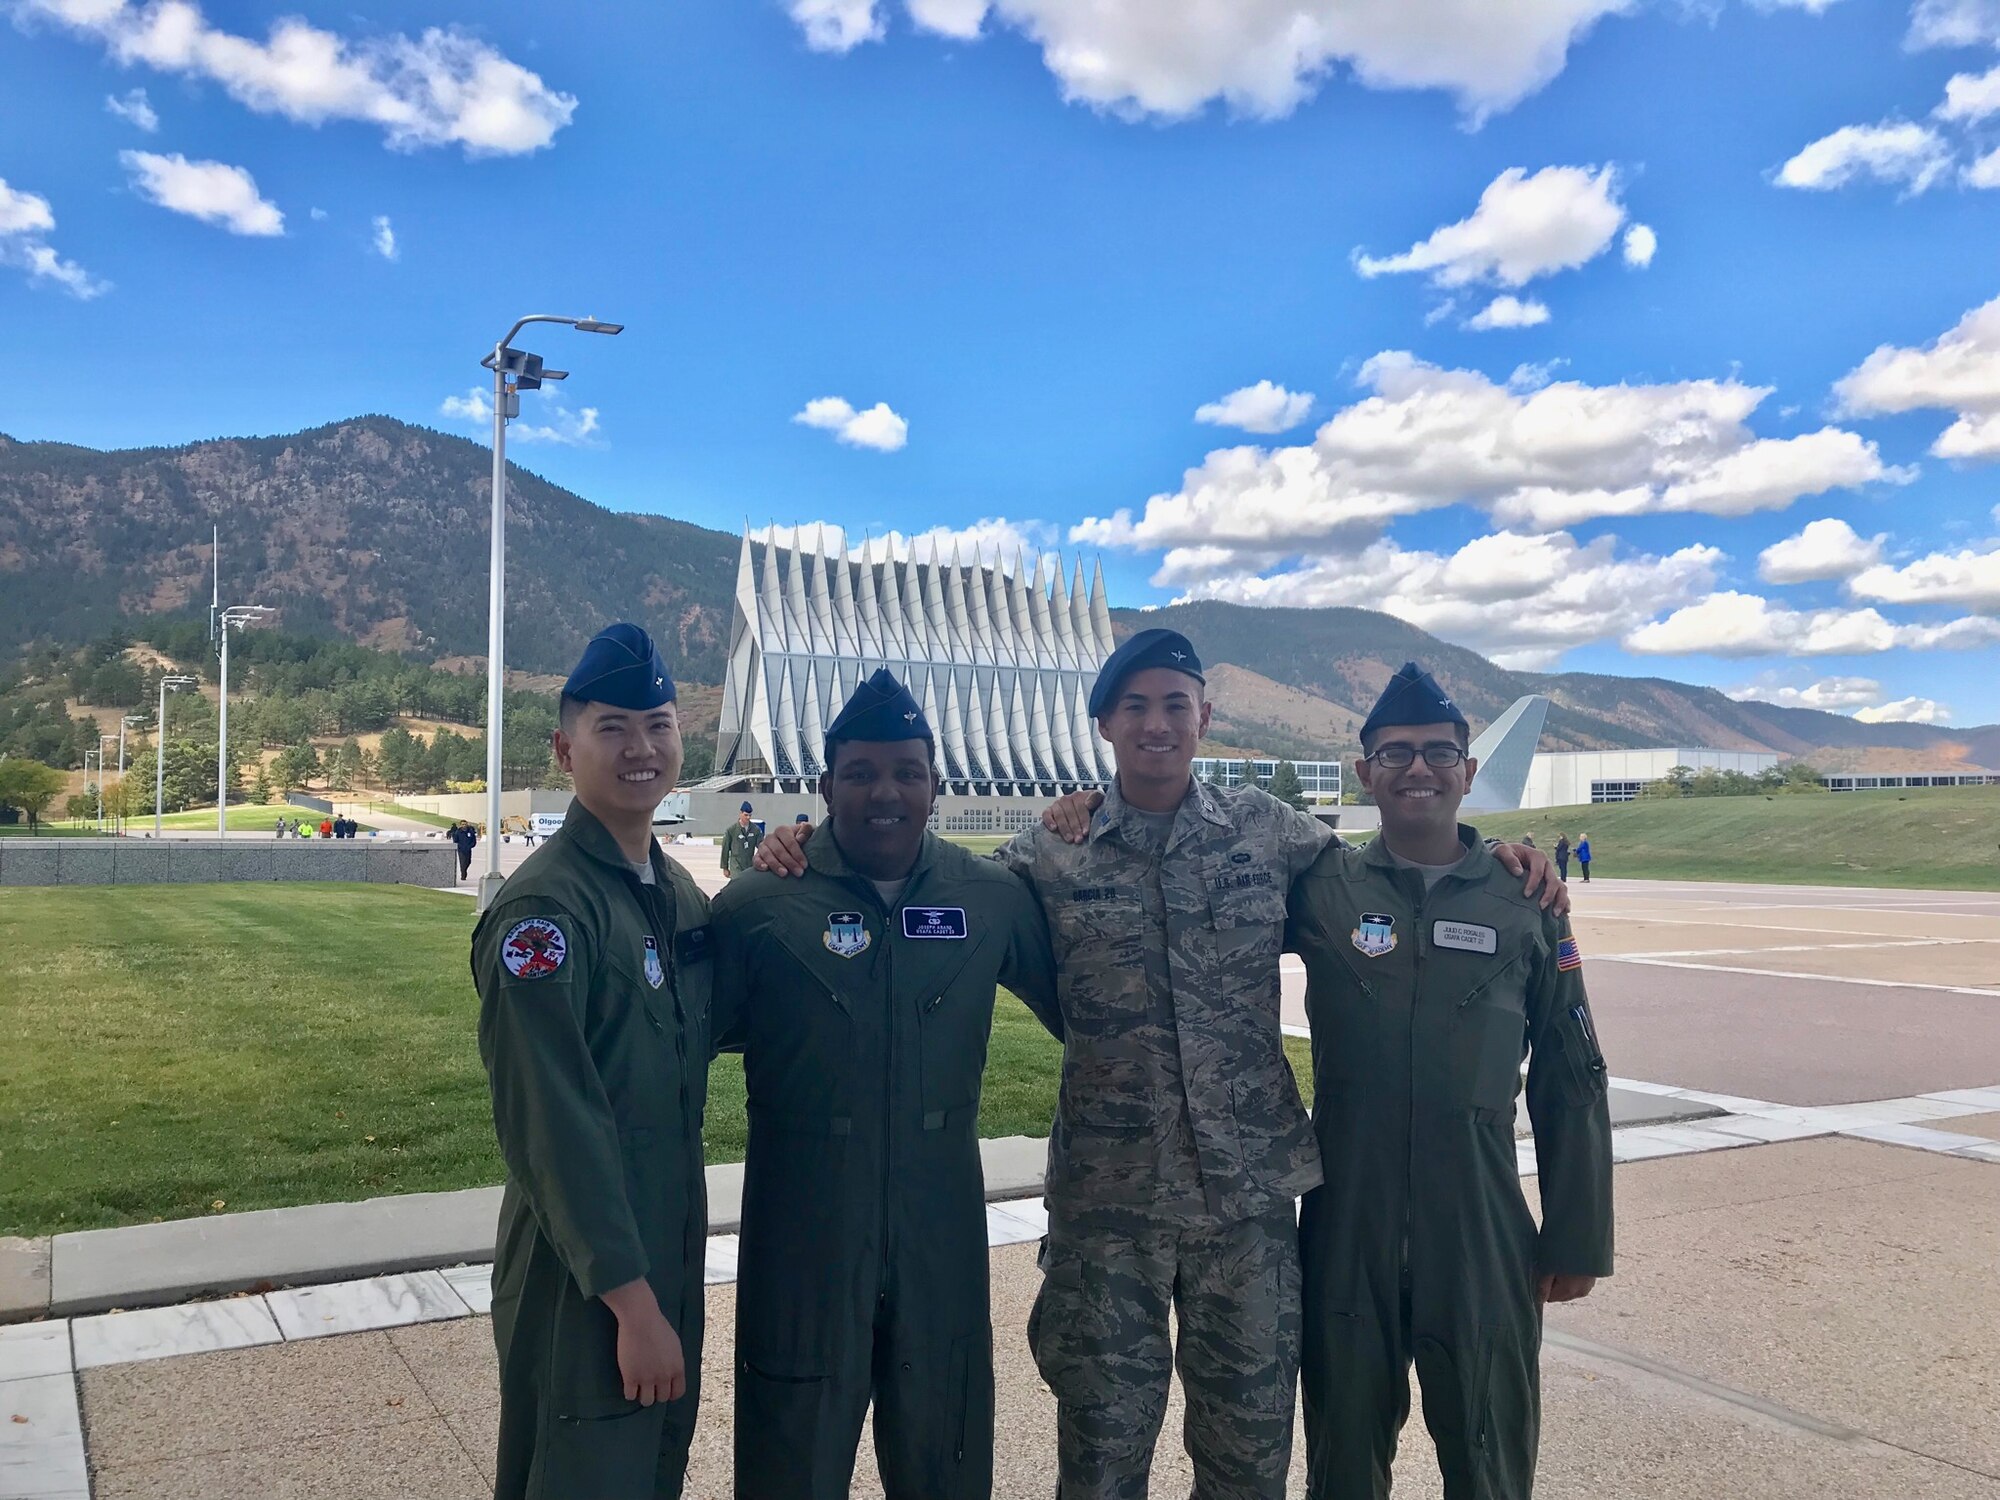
point(1568, 955)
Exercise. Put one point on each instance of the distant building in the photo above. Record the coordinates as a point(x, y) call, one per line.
point(1002, 661)
point(1320, 778)
point(1892, 783)
point(1572, 778)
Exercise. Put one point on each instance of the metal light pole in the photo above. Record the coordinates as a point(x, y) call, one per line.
point(527, 375)
point(238, 615)
point(167, 684)
point(128, 719)
point(102, 739)
point(98, 785)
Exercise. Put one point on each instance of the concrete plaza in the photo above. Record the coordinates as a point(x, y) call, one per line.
point(1804, 1305)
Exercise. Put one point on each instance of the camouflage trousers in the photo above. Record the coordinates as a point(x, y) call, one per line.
point(1100, 1336)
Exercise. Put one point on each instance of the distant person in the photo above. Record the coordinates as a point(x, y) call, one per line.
point(739, 843)
point(326, 828)
point(594, 970)
point(1583, 857)
point(1529, 840)
point(1562, 855)
point(465, 837)
point(802, 818)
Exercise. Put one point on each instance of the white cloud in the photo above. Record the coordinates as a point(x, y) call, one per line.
point(1263, 58)
point(1522, 600)
point(1970, 577)
point(1533, 458)
point(1736, 624)
point(1905, 711)
point(135, 109)
point(319, 216)
point(26, 221)
point(571, 429)
point(1506, 311)
point(1810, 7)
point(878, 427)
point(1642, 243)
point(1829, 694)
point(953, 18)
point(211, 191)
point(1983, 171)
point(1971, 96)
point(1824, 549)
point(442, 88)
point(1524, 227)
point(384, 240)
point(1959, 372)
point(1953, 23)
point(838, 25)
point(1263, 407)
point(1913, 156)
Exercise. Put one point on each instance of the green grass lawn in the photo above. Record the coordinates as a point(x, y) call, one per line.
point(172, 1048)
point(414, 814)
point(52, 830)
point(259, 817)
point(1948, 838)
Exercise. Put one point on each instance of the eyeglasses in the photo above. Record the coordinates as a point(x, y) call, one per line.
point(1402, 757)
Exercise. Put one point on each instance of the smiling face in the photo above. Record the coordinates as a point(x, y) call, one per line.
point(1419, 802)
point(880, 794)
point(1154, 725)
point(622, 760)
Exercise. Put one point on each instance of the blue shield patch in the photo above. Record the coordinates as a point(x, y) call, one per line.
point(1376, 935)
point(655, 975)
point(846, 935)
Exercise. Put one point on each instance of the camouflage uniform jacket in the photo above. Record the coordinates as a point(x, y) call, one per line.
point(1177, 1098)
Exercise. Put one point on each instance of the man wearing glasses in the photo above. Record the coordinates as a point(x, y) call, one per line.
point(1429, 977)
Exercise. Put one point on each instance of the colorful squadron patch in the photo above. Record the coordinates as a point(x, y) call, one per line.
point(846, 935)
point(534, 949)
point(655, 975)
point(1568, 955)
point(1376, 935)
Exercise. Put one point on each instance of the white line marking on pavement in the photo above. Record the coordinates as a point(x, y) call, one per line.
point(1800, 948)
point(1882, 984)
point(1757, 926)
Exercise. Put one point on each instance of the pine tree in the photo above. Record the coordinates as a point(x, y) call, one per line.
point(1286, 786)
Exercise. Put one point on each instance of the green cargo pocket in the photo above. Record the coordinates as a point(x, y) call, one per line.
point(965, 1462)
point(777, 1430)
point(1583, 1071)
point(599, 1449)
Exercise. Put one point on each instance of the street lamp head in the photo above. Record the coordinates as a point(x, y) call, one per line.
point(246, 614)
point(593, 325)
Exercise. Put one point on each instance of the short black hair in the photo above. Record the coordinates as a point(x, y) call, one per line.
point(567, 708)
point(930, 750)
point(1464, 737)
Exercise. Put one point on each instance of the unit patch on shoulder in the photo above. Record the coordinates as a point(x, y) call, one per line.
point(534, 949)
point(846, 934)
point(1376, 935)
point(655, 974)
point(933, 921)
point(1568, 955)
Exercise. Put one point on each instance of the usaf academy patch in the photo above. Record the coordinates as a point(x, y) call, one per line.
point(1376, 935)
point(655, 975)
point(845, 934)
point(534, 949)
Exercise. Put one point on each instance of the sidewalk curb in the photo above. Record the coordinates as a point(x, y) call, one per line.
point(149, 1265)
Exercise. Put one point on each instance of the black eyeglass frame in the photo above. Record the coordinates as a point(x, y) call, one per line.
point(1440, 755)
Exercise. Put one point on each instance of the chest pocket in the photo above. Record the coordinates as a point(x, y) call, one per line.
point(955, 1013)
point(1099, 931)
point(1246, 911)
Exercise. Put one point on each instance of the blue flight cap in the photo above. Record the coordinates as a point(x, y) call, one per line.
point(621, 667)
point(1149, 648)
point(1412, 697)
point(880, 709)
point(803, 818)
point(746, 807)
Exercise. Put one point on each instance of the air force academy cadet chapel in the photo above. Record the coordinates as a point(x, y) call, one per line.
point(1001, 659)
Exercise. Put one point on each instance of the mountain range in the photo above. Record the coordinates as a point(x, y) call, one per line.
point(375, 529)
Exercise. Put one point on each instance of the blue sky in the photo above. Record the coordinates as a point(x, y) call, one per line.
point(913, 264)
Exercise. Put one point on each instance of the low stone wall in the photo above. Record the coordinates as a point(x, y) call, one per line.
point(206, 861)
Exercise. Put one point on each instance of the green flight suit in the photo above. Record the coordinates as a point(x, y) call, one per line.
point(739, 848)
point(1419, 1245)
point(593, 1023)
point(862, 1271)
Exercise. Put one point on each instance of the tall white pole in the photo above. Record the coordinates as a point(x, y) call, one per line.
point(160, 757)
point(496, 629)
point(121, 776)
point(222, 743)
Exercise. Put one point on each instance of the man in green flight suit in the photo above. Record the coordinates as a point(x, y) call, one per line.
point(739, 843)
point(1429, 978)
point(593, 969)
point(861, 998)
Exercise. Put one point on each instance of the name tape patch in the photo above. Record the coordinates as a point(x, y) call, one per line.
point(933, 921)
point(1467, 937)
point(534, 949)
